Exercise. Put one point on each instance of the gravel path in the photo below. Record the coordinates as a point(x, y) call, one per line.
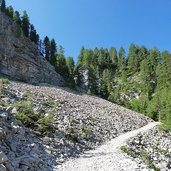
point(107, 157)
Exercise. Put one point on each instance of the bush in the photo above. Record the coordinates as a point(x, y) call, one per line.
point(46, 124)
point(4, 81)
point(127, 151)
point(26, 114)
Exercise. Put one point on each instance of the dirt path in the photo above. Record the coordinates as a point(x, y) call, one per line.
point(107, 157)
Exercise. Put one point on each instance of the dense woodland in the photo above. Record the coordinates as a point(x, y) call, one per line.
point(140, 80)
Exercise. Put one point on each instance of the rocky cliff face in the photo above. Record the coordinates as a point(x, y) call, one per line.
point(20, 59)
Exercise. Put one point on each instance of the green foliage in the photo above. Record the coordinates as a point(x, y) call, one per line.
point(124, 149)
point(28, 95)
point(121, 60)
point(16, 18)
point(140, 105)
point(3, 6)
point(26, 114)
point(46, 43)
point(53, 50)
point(46, 124)
point(106, 83)
point(113, 56)
point(33, 34)
point(10, 11)
point(34, 120)
point(86, 132)
point(71, 65)
point(25, 23)
point(144, 155)
point(61, 66)
point(4, 81)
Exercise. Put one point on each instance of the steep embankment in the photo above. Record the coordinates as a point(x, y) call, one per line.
point(78, 122)
point(20, 58)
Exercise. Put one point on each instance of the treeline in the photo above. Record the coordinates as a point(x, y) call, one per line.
point(140, 80)
point(47, 48)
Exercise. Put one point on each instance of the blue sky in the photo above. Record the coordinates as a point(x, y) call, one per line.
point(100, 23)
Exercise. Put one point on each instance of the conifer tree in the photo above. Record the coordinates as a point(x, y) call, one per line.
point(53, 51)
point(121, 59)
point(113, 56)
point(33, 34)
point(70, 64)
point(3, 6)
point(61, 66)
point(16, 17)
point(25, 23)
point(46, 43)
point(10, 11)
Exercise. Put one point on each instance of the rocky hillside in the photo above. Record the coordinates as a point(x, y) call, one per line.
point(20, 58)
point(60, 123)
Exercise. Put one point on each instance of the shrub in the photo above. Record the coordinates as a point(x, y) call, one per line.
point(4, 81)
point(127, 151)
point(26, 114)
point(46, 124)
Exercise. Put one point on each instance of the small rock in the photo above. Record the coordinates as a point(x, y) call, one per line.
point(3, 158)
point(9, 167)
point(4, 115)
point(2, 167)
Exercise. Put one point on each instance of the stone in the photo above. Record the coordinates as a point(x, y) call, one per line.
point(9, 109)
point(9, 167)
point(3, 158)
point(4, 115)
point(2, 167)
point(14, 111)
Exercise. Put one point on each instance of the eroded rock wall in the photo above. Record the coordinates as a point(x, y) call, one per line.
point(20, 58)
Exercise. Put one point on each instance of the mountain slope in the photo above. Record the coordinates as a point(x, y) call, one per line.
point(78, 122)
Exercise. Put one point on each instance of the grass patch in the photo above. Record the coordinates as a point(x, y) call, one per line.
point(145, 156)
point(124, 149)
point(46, 124)
point(27, 95)
point(50, 103)
point(86, 132)
point(26, 114)
point(34, 120)
point(4, 81)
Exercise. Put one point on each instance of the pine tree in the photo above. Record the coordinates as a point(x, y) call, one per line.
point(10, 11)
point(70, 64)
point(3, 6)
point(46, 43)
point(33, 34)
point(25, 23)
point(16, 17)
point(61, 66)
point(106, 84)
point(133, 59)
point(113, 56)
point(81, 56)
point(121, 60)
point(53, 51)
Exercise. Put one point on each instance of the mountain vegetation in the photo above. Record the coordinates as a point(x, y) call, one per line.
point(139, 80)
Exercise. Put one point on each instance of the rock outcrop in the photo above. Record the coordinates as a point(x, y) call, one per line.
point(20, 58)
